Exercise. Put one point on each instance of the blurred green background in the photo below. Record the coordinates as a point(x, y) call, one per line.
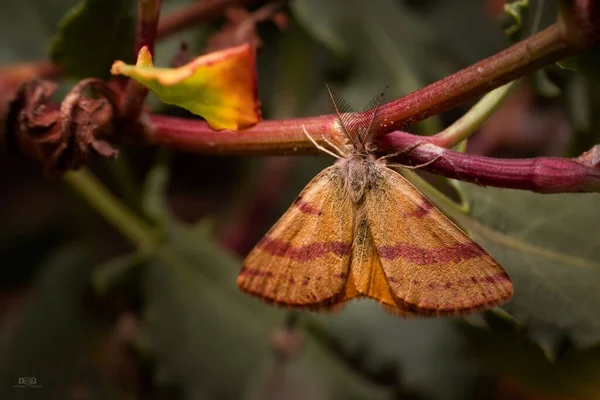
point(90, 318)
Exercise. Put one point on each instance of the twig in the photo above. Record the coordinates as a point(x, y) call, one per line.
point(529, 55)
point(145, 35)
point(191, 15)
point(472, 119)
point(540, 175)
point(266, 138)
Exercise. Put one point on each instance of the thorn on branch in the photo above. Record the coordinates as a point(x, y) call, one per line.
point(182, 56)
point(61, 138)
point(590, 158)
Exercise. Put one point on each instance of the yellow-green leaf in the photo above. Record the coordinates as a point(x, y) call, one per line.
point(220, 87)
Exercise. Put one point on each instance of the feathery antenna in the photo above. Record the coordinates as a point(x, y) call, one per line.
point(356, 127)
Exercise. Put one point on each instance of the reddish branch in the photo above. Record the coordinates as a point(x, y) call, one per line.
point(540, 174)
point(145, 35)
point(147, 25)
point(193, 14)
point(266, 138)
point(568, 36)
point(575, 31)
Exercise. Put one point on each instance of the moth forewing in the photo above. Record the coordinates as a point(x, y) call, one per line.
point(359, 229)
point(303, 260)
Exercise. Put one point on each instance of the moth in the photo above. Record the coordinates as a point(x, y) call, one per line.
point(360, 229)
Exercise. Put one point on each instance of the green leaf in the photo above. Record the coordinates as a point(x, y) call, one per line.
point(371, 36)
point(514, 359)
point(515, 11)
point(522, 19)
point(155, 186)
point(586, 63)
point(115, 270)
point(49, 338)
point(208, 337)
point(25, 27)
point(549, 246)
point(94, 34)
point(428, 354)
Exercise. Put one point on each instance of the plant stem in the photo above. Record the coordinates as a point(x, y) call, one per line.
point(147, 25)
point(537, 51)
point(540, 175)
point(112, 209)
point(137, 231)
point(145, 35)
point(266, 138)
point(560, 40)
point(472, 119)
point(200, 11)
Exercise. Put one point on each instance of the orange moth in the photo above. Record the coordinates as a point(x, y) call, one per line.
point(360, 229)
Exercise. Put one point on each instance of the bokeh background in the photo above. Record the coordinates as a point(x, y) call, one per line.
point(90, 318)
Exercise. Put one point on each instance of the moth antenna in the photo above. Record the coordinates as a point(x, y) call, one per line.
point(341, 107)
point(373, 116)
point(318, 146)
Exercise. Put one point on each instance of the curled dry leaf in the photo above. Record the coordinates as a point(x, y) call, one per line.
point(221, 87)
point(61, 138)
point(11, 79)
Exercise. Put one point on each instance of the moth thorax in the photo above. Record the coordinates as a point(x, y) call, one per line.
point(358, 174)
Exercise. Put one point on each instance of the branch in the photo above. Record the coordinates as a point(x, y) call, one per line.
point(462, 128)
point(562, 39)
point(265, 138)
point(200, 11)
point(145, 35)
point(575, 31)
point(540, 175)
point(147, 25)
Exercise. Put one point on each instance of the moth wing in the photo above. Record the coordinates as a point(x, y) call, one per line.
point(432, 267)
point(303, 260)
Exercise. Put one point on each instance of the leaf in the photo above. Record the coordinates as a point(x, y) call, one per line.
point(586, 63)
point(25, 27)
point(549, 246)
point(371, 36)
point(522, 19)
point(115, 270)
point(48, 338)
point(428, 354)
point(515, 11)
point(155, 186)
point(575, 376)
point(220, 87)
point(92, 35)
point(212, 340)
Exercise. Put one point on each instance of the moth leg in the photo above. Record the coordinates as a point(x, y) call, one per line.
point(340, 152)
point(397, 153)
point(417, 166)
point(318, 146)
